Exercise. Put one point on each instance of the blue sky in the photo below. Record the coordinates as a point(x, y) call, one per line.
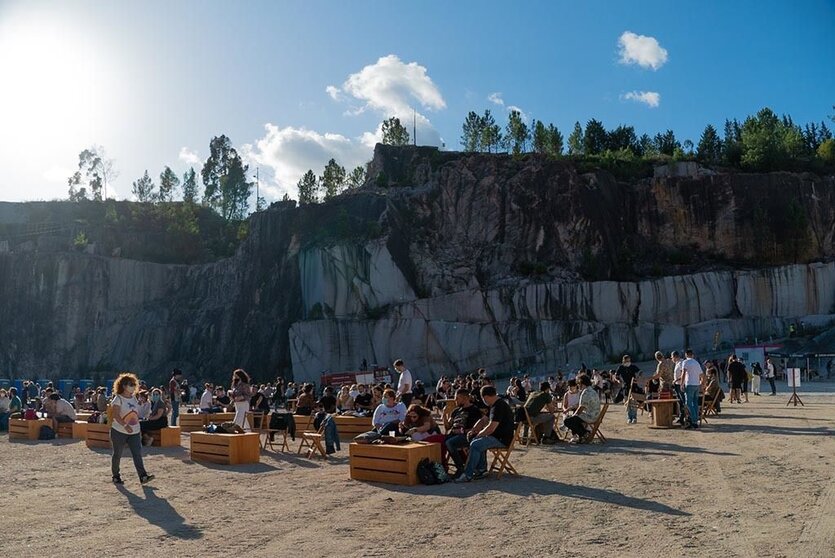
point(153, 81)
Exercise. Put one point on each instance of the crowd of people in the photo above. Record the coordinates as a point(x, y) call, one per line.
point(561, 407)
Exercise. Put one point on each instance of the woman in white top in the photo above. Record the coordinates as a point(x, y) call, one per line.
point(124, 428)
point(241, 394)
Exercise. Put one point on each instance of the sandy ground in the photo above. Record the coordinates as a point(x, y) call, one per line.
point(757, 481)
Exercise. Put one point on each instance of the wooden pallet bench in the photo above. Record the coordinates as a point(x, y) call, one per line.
point(79, 429)
point(98, 435)
point(21, 429)
point(64, 430)
point(168, 437)
point(192, 422)
point(349, 427)
point(392, 464)
point(226, 449)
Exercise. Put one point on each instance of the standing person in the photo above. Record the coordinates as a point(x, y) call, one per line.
point(746, 380)
point(5, 404)
point(736, 372)
point(404, 384)
point(174, 394)
point(241, 394)
point(124, 430)
point(678, 372)
point(769, 375)
point(692, 381)
point(756, 375)
point(625, 373)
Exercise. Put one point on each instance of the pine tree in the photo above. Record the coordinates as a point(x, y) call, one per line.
point(491, 133)
point(168, 184)
point(516, 134)
point(553, 144)
point(394, 133)
point(709, 149)
point(356, 178)
point(575, 140)
point(190, 193)
point(143, 188)
point(595, 138)
point(308, 188)
point(332, 180)
point(472, 132)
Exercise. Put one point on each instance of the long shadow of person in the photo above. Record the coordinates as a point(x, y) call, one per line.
point(159, 512)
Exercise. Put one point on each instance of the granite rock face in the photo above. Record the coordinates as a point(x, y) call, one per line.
point(450, 261)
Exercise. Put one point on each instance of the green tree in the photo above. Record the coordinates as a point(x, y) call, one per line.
point(333, 179)
point(645, 147)
point(394, 133)
point(732, 143)
point(143, 188)
point(190, 193)
point(95, 172)
point(621, 138)
point(472, 132)
point(540, 136)
point(491, 133)
point(516, 133)
point(225, 185)
point(168, 184)
point(308, 188)
point(666, 143)
point(769, 143)
point(709, 149)
point(356, 177)
point(595, 139)
point(553, 143)
point(575, 140)
point(826, 151)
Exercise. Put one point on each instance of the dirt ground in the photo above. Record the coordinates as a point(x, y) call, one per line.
point(757, 481)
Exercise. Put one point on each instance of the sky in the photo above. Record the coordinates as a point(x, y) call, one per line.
point(294, 84)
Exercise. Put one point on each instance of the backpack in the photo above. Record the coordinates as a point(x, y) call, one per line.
point(367, 437)
point(30, 414)
point(94, 417)
point(426, 472)
point(46, 433)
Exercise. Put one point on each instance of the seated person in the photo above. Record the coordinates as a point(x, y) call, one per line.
point(344, 402)
point(376, 396)
point(328, 401)
point(587, 411)
point(712, 389)
point(570, 402)
point(498, 433)
point(15, 404)
point(222, 398)
point(364, 399)
point(304, 405)
point(541, 407)
point(466, 419)
point(259, 403)
point(46, 404)
point(101, 400)
point(207, 400)
point(389, 414)
point(62, 409)
point(158, 418)
point(144, 401)
point(5, 404)
point(419, 392)
point(419, 424)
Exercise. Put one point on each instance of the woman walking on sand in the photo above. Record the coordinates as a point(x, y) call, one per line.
point(241, 394)
point(124, 428)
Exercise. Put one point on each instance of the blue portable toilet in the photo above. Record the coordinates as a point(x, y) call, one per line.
point(85, 383)
point(5, 383)
point(43, 382)
point(18, 384)
point(65, 387)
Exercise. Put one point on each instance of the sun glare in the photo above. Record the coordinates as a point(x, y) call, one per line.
point(55, 89)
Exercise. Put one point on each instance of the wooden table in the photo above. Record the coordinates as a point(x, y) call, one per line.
point(21, 429)
point(662, 412)
point(392, 464)
point(350, 427)
point(226, 449)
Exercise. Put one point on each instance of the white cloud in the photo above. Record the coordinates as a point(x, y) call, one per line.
point(190, 157)
point(650, 98)
point(522, 113)
point(496, 98)
point(642, 50)
point(334, 92)
point(289, 152)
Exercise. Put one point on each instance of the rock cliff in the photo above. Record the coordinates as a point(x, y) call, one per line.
point(450, 261)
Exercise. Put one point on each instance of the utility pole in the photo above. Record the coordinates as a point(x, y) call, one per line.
point(414, 126)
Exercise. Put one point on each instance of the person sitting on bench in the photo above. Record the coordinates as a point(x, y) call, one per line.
point(465, 422)
point(158, 419)
point(389, 414)
point(63, 410)
point(207, 405)
point(587, 410)
point(304, 405)
point(363, 400)
point(498, 433)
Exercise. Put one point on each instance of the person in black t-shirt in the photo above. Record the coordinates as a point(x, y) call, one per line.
point(363, 401)
point(736, 370)
point(497, 434)
point(466, 419)
point(328, 401)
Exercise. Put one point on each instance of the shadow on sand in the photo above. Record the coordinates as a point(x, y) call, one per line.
point(159, 512)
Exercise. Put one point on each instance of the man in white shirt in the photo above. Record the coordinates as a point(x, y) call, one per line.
point(692, 380)
point(404, 384)
point(207, 399)
point(769, 375)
